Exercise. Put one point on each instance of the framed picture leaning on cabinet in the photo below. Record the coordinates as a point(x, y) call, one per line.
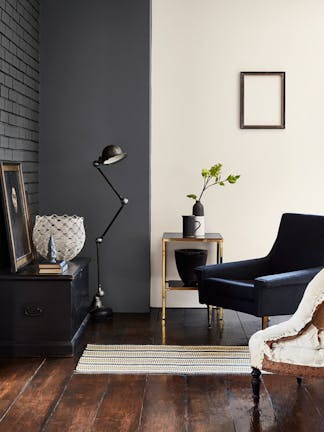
point(16, 215)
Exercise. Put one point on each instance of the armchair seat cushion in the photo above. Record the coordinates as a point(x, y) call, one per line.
point(305, 350)
point(222, 288)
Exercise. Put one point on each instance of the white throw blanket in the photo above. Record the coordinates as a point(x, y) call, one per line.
point(307, 348)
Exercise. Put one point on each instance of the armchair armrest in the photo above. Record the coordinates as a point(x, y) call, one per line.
point(280, 294)
point(289, 278)
point(247, 269)
point(258, 342)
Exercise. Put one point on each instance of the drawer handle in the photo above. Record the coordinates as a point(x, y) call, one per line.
point(33, 311)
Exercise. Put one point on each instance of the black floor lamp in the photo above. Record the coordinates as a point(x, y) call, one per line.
point(110, 155)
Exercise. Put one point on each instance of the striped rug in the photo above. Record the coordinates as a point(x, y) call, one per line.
point(164, 359)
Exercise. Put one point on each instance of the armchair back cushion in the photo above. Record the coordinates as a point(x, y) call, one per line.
point(299, 243)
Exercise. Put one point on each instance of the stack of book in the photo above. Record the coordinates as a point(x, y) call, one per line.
point(58, 267)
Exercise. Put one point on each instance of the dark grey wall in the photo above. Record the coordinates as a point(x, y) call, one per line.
point(95, 92)
point(19, 82)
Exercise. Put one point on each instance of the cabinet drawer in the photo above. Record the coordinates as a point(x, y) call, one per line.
point(35, 311)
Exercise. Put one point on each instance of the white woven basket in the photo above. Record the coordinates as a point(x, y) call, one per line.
point(68, 233)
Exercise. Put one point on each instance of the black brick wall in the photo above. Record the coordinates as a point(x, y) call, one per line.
point(19, 82)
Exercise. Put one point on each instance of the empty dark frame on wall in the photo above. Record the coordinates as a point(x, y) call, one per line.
point(262, 100)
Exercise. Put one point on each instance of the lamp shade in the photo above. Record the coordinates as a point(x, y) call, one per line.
point(111, 154)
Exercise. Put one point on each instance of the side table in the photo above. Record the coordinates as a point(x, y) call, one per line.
point(43, 315)
point(171, 285)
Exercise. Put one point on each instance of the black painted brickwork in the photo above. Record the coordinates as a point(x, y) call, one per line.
point(19, 96)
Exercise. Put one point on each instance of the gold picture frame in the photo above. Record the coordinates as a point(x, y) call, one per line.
point(16, 214)
point(262, 100)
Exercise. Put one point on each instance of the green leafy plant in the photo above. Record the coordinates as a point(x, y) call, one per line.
point(213, 177)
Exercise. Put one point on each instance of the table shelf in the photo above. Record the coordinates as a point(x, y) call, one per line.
point(178, 285)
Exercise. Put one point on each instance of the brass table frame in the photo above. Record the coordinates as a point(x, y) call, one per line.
point(171, 285)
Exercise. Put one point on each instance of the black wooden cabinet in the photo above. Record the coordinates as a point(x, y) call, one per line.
point(43, 315)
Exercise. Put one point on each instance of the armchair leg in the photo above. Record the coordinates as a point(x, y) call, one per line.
point(210, 312)
point(256, 373)
point(210, 316)
point(265, 320)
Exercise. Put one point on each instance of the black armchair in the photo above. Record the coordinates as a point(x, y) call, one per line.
point(275, 284)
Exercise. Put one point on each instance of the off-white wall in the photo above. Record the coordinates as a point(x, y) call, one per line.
point(199, 48)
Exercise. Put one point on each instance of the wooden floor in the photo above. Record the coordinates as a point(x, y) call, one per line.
point(45, 395)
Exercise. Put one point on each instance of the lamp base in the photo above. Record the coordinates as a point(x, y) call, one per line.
point(101, 314)
point(98, 312)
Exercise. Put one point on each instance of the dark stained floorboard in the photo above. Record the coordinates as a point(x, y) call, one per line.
point(315, 388)
point(293, 407)
point(121, 408)
point(38, 395)
point(164, 406)
point(245, 416)
point(15, 374)
point(36, 403)
point(208, 407)
point(196, 332)
point(141, 331)
point(251, 324)
point(232, 332)
point(77, 409)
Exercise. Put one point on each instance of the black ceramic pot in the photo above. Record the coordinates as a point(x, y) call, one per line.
point(187, 260)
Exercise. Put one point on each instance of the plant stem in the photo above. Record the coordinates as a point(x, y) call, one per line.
point(213, 184)
point(206, 185)
point(206, 181)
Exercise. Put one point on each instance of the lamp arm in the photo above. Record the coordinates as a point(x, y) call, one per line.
point(96, 164)
point(99, 240)
point(123, 202)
